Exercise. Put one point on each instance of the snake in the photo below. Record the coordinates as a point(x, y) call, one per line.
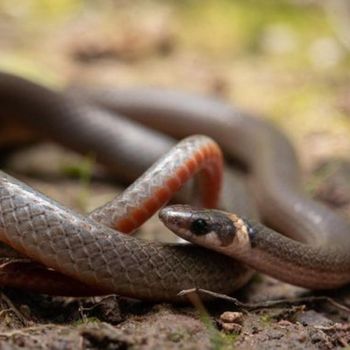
point(305, 242)
point(261, 248)
point(265, 151)
point(90, 255)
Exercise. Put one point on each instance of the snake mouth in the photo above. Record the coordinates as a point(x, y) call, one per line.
point(176, 218)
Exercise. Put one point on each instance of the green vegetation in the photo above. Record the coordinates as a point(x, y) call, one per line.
point(227, 26)
point(266, 319)
point(86, 320)
point(83, 171)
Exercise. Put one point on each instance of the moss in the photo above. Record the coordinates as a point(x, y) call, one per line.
point(83, 171)
point(176, 336)
point(266, 319)
point(85, 320)
point(218, 340)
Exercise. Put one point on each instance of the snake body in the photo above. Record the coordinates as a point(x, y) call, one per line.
point(96, 255)
point(316, 267)
point(135, 268)
point(267, 153)
point(106, 259)
point(316, 253)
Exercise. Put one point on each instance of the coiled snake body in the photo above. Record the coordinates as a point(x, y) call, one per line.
point(132, 267)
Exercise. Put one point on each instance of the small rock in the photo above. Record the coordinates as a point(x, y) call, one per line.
point(230, 322)
point(231, 317)
point(313, 318)
point(231, 327)
point(284, 323)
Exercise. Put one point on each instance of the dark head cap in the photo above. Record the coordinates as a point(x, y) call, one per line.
point(187, 221)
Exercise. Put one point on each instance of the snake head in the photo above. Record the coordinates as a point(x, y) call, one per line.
point(213, 229)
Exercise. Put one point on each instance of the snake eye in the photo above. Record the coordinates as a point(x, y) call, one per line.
point(200, 227)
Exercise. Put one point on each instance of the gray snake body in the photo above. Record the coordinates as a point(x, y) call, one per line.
point(315, 267)
point(263, 148)
point(318, 255)
point(145, 270)
point(98, 256)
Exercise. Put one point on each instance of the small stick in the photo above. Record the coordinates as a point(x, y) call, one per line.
point(13, 308)
point(265, 304)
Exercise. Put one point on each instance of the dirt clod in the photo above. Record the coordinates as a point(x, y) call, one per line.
point(231, 317)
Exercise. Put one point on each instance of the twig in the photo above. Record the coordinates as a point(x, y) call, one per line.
point(265, 304)
point(17, 313)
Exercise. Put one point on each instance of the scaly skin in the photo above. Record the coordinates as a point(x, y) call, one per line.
point(103, 258)
point(259, 145)
point(127, 149)
point(263, 249)
point(159, 183)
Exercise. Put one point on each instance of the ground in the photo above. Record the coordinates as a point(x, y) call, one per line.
point(286, 61)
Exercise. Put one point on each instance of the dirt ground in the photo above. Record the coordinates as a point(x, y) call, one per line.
point(287, 62)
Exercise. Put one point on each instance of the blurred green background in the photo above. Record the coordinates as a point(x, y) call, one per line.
point(287, 60)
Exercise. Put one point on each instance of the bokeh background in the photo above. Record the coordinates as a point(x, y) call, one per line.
point(288, 60)
point(285, 60)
